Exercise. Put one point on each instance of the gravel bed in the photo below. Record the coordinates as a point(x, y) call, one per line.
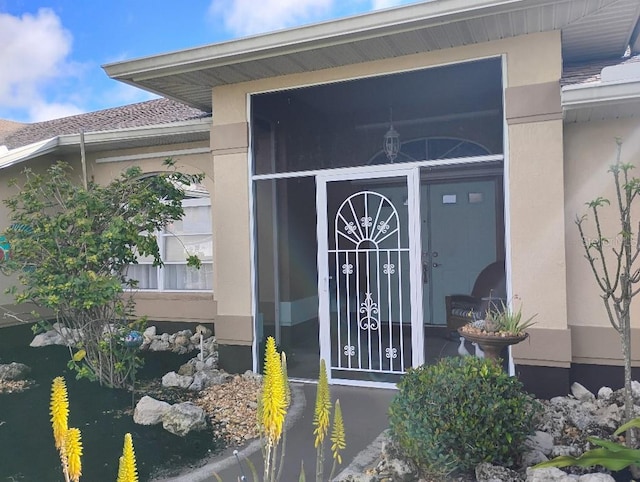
point(232, 408)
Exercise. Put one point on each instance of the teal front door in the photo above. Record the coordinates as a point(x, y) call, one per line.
point(459, 238)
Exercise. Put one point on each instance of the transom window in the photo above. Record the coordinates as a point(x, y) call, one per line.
point(190, 235)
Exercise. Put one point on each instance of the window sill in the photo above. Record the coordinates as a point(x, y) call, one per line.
point(174, 295)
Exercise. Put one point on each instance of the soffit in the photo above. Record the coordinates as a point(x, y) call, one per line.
point(590, 29)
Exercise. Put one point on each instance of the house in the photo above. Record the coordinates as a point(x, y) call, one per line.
point(360, 170)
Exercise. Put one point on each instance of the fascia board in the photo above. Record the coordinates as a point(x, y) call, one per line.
point(40, 148)
point(20, 154)
point(159, 130)
point(596, 94)
point(394, 20)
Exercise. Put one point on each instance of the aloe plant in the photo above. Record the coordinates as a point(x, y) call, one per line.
point(610, 455)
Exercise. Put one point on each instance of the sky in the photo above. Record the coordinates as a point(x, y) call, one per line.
point(51, 51)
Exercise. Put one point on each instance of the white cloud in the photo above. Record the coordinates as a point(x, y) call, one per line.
point(380, 4)
point(34, 55)
point(246, 17)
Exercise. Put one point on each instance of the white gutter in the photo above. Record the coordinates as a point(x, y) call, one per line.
point(15, 156)
point(599, 93)
point(133, 133)
point(619, 84)
point(40, 148)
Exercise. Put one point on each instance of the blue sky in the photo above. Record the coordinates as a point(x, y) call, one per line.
point(51, 51)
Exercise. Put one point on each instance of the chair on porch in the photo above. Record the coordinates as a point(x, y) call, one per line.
point(489, 288)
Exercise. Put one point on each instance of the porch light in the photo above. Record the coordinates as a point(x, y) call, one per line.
point(391, 143)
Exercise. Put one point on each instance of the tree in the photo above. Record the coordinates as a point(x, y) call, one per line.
point(70, 249)
point(613, 261)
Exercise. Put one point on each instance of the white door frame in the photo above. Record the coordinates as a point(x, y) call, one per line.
point(412, 175)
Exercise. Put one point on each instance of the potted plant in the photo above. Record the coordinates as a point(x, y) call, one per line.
point(501, 326)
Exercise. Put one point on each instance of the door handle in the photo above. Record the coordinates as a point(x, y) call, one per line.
point(425, 273)
point(435, 265)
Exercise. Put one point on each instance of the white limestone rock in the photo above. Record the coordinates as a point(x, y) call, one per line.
point(173, 380)
point(581, 393)
point(149, 411)
point(541, 441)
point(14, 371)
point(183, 418)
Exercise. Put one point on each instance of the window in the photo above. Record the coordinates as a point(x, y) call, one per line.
point(190, 235)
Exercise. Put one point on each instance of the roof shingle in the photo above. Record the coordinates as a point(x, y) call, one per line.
point(152, 112)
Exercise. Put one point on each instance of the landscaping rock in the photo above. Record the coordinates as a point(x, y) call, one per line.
point(541, 441)
point(14, 371)
point(160, 345)
point(47, 338)
point(548, 475)
point(392, 467)
point(581, 393)
point(187, 369)
point(605, 394)
point(206, 378)
point(183, 418)
point(494, 473)
point(150, 411)
point(533, 457)
point(204, 331)
point(172, 379)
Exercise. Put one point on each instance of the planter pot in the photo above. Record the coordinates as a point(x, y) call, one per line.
point(492, 344)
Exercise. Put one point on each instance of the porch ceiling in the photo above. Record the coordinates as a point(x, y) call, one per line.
point(590, 29)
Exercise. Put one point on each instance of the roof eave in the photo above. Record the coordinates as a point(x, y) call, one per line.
point(102, 139)
point(297, 39)
point(598, 94)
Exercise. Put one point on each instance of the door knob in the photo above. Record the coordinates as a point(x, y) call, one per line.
point(435, 265)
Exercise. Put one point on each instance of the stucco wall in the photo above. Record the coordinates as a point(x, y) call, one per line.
point(534, 159)
point(195, 307)
point(590, 149)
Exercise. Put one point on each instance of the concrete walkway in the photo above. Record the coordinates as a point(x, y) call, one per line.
point(365, 417)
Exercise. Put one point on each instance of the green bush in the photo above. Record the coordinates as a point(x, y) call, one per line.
point(461, 412)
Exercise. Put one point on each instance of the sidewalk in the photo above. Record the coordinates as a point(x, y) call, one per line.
point(365, 417)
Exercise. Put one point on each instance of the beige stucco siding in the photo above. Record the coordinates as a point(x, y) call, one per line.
point(535, 152)
point(590, 149)
point(191, 307)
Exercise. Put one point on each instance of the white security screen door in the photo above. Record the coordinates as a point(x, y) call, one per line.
point(370, 323)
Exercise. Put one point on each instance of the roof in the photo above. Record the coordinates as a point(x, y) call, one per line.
point(143, 114)
point(8, 127)
point(602, 90)
point(590, 71)
point(591, 29)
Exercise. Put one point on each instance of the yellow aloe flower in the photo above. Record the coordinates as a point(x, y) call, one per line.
point(322, 411)
point(285, 379)
point(79, 355)
point(121, 469)
point(127, 471)
point(59, 411)
point(338, 441)
point(273, 394)
point(73, 451)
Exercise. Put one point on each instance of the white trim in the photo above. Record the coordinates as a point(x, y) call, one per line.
point(151, 155)
point(253, 245)
point(507, 198)
point(415, 272)
point(324, 304)
point(599, 94)
point(412, 177)
point(348, 171)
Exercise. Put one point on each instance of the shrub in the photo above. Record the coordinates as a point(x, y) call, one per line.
point(461, 412)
